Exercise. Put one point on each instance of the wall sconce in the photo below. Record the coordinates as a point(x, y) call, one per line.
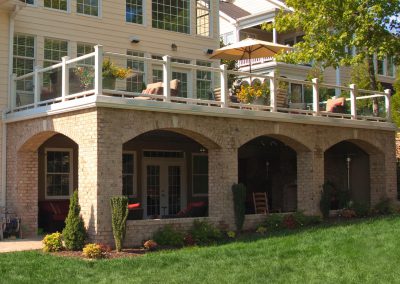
point(174, 47)
point(134, 39)
point(202, 150)
point(209, 51)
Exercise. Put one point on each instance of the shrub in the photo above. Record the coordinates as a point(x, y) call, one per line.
point(105, 248)
point(74, 233)
point(189, 241)
point(347, 213)
point(168, 236)
point(119, 214)
point(289, 222)
point(239, 199)
point(93, 251)
point(328, 190)
point(52, 242)
point(274, 222)
point(261, 230)
point(360, 209)
point(231, 234)
point(150, 245)
point(384, 207)
point(204, 233)
point(306, 220)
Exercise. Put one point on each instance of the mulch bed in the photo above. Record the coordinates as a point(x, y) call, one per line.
point(125, 253)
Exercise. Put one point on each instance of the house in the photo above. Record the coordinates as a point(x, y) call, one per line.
point(240, 20)
point(168, 136)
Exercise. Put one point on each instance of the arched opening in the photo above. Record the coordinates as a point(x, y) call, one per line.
point(347, 173)
point(57, 179)
point(269, 165)
point(165, 175)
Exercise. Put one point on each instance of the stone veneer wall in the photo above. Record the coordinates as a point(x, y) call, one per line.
point(101, 132)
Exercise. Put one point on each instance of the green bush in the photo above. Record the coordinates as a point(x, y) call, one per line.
point(204, 233)
point(168, 236)
point(306, 220)
point(93, 251)
point(119, 214)
point(361, 209)
point(52, 242)
point(239, 199)
point(384, 207)
point(274, 222)
point(328, 190)
point(74, 233)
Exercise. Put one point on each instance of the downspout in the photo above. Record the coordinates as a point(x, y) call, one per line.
point(4, 125)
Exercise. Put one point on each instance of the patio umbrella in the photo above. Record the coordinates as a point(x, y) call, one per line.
point(249, 48)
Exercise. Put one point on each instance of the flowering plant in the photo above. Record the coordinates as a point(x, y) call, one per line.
point(231, 234)
point(150, 245)
point(110, 70)
point(261, 230)
point(86, 76)
point(248, 94)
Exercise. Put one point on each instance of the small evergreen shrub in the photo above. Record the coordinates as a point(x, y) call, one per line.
point(328, 190)
point(93, 251)
point(105, 248)
point(74, 233)
point(261, 230)
point(204, 233)
point(239, 199)
point(361, 209)
point(119, 214)
point(52, 242)
point(168, 236)
point(231, 234)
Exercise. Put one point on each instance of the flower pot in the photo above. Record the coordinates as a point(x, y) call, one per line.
point(109, 83)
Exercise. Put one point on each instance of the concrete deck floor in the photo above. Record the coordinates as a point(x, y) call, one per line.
point(20, 245)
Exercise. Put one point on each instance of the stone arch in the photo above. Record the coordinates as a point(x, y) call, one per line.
point(25, 173)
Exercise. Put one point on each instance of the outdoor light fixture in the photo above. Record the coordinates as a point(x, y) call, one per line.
point(174, 47)
point(348, 160)
point(134, 39)
point(202, 150)
point(209, 51)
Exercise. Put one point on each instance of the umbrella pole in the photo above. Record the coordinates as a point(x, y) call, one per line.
point(250, 65)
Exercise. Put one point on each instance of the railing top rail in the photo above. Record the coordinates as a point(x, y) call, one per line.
point(134, 57)
point(333, 86)
point(83, 57)
point(295, 81)
point(376, 93)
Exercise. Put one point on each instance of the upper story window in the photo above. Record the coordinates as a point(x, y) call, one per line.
point(203, 17)
point(56, 4)
point(228, 38)
point(171, 15)
point(83, 49)
point(54, 51)
point(136, 82)
point(385, 66)
point(203, 81)
point(30, 2)
point(24, 60)
point(134, 11)
point(88, 7)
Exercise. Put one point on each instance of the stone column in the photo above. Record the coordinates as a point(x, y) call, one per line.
point(310, 178)
point(223, 173)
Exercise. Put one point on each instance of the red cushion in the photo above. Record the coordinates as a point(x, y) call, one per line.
point(133, 206)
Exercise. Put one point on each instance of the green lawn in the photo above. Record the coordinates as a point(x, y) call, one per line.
point(367, 251)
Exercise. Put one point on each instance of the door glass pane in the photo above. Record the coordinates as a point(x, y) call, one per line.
point(174, 189)
point(153, 190)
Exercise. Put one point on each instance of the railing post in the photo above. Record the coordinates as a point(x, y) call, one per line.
point(273, 91)
point(13, 102)
point(224, 85)
point(388, 93)
point(315, 88)
point(36, 84)
point(65, 78)
point(353, 101)
point(167, 77)
point(98, 70)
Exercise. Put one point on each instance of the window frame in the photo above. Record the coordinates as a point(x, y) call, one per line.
point(192, 175)
point(144, 15)
point(189, 17)
point(99, 10)
point(53, 61)
point(210, 19)
point(135, 173)
point(204, 63)
point(130, 61)
point(59, 10)
point(71, 172)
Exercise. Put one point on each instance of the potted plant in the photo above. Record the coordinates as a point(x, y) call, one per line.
point(111, 73)
point(257, 93)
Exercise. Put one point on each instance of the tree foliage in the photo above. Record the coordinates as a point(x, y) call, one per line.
point(74, 233)
point(396, 100)
point(239, 200)
point(335, 28)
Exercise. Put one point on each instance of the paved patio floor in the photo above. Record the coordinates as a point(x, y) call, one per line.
point(20, 245)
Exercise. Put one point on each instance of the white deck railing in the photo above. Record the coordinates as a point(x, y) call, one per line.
point(253, 61)
point(80, 77)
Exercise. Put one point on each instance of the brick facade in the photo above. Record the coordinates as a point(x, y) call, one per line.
point(101, 132)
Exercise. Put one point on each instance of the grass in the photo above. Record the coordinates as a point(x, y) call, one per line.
point(365, 251)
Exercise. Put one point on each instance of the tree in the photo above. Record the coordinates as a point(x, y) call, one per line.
point(119, 214)
point(396, 100)
point(74, 233)
point(333, 29)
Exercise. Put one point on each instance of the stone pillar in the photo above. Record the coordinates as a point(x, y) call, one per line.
point(223, 173)
point(310, 178)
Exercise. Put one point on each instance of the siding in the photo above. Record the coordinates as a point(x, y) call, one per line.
point(256, 6)
point(111, 30)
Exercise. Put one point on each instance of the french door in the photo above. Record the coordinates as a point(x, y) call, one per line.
point(164, 191)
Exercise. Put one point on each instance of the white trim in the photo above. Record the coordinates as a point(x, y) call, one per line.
point(144, 15)
point(192, 179)
point(68, 11)
point(99, 11)
point(135, 179)
point(71, 172)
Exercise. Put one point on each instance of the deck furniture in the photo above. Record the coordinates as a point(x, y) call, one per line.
point(135, 211)
point(260, 203)
point(157, 89)
point(336, 105)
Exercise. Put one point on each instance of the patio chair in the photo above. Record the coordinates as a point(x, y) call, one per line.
point(260, 203)
point(157, 89)
point(336, 105)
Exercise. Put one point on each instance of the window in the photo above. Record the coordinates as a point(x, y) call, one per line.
point(128, 174)
point(203, 81)
point(171, 15)
point(56, 4)
point(163, 154)
point(136, 82)
point(380, 67)
point(58, 173)
point(134, 11)
point(390, 66)
point(157, 75)
point(200, 174)
point(203, 17)
point(183, 78)
point(88, 7)
point(24, 60)
point(54, 51)
point(30, 2)
point(83, 49)
point(228, 38)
